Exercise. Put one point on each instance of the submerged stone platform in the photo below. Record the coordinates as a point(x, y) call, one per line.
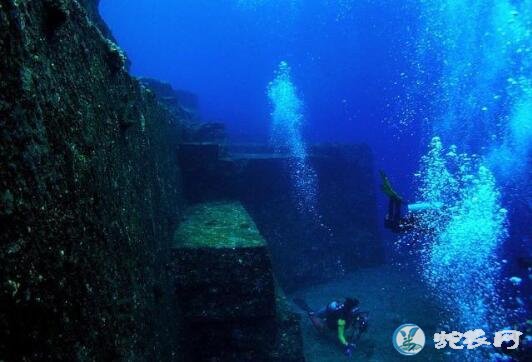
point(226, 290)
point(305, 248)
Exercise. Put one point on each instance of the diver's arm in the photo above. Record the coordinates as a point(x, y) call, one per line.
point(322, 313)
point(420, 207)
point(341, 332)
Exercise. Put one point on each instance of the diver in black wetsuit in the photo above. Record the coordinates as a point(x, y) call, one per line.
point(339, 317)
point(394, 220)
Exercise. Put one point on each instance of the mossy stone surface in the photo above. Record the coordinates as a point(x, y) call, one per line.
point(88, 207)
point(218, 225)
point(224, 279)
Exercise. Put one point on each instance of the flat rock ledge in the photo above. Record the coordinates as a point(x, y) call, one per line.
point(231, 307)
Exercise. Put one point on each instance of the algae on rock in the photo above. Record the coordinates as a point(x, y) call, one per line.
point(87, 207)
point(231, 307)
point(218, 225)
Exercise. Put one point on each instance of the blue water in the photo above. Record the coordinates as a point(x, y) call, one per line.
point(287, 120)
point(440, 89)
point(346, 58)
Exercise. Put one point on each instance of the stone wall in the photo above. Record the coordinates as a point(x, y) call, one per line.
point(89, 193)
point(231, 308)
point(343, 236)
point(306, 249)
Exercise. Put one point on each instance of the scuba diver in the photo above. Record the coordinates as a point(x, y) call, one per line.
point(394, 220)
point(339, 317)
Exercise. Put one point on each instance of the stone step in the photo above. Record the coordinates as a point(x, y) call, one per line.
point(226, 290)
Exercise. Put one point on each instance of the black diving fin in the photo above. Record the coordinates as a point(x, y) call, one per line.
point(303, 305)
point(316, 322)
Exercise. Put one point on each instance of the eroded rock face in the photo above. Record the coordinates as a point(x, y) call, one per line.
point(231, 308)
point(342, 236)
point(178, 100)
point(92, 10)
point(305, 248)
point(89, 193)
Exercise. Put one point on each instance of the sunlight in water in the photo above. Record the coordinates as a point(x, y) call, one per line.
point(481, 96)
point(460, 255)
point(287, 119)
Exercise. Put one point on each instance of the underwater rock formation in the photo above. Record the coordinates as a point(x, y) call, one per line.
point(184, 105)
point(90, 193)
point(231, 309)
point(347, 236)
point(91, 8)
point(303, 251)
point(90, 198)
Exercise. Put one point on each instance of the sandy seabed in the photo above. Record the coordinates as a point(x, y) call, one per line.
point(392, 296)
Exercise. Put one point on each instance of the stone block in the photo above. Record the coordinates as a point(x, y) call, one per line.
point(226, 290)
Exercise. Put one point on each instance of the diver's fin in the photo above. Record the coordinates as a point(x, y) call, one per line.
point(303, 305)
point(386, 187)
point(316, 322)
